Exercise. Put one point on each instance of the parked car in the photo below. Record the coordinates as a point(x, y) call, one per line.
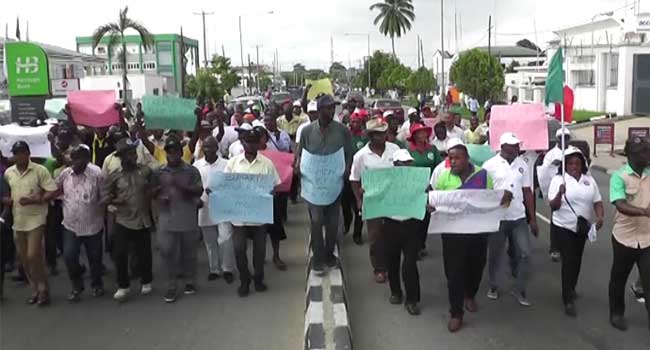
point(383, 105)
point(280, 97)
point(243, 100)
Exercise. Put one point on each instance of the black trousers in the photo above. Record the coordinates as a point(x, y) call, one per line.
point(571, 246)
point(624, 260)
point(141, 239)
point(240, 237)
point(464, 256)
point(54, 233)
point(295, 187)
point(350, 210)
point(94, 252)
point(402, 239)
point(554, 248)
point(423, 230)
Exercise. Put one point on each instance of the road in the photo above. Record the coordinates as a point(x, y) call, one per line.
point(502, 324)
point(214, 318)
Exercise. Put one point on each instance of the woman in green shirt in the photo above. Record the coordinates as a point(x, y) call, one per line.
point(348, 202)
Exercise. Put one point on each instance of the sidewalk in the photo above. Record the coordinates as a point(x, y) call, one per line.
point(603, 161)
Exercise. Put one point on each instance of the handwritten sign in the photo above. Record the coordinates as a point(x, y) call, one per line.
point(322, 177)
point(169, 112)
point(321, 86)
point(399, 191)
point(284, 165)
point(466, 211)
point(527, 121)
point(36, 138)
point(241, 198)
point(93, 108)
point(479, 154)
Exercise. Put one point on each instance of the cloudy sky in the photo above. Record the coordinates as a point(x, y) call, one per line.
point(301, 29)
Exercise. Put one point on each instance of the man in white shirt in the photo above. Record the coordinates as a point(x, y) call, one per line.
point(216, 237)
point(453, 131)
point(473, 105)
point(312, 112)
point(405, 130)
point(510, 173)
point(376, 154)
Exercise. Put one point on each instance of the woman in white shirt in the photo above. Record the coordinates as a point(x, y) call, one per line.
point(574, 199)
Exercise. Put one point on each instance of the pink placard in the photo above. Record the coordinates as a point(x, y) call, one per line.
point(93, 108)
point(284, 165)
point(430, 122)
point(527, 121)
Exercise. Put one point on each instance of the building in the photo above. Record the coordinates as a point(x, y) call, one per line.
point(508, 54)
point(164, 58)
point(66, 67)
point(438, 59)
point(605, 63)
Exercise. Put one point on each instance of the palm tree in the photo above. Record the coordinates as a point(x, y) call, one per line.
point(115, 32)
point(395, 16)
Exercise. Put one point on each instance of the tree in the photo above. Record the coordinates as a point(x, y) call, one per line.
point(379, 62)
point(204, 86)
point(299, 68)
point(338, 72)
point(395, 17)
point(315, 74)
point(421, 81)
point(115, 32)
point(478, 74)
point(394, 77)
point(512, 65)
point(222, 69)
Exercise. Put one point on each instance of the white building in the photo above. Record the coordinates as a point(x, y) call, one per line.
point(438, 60)
point(606, 63)
point(139, 84)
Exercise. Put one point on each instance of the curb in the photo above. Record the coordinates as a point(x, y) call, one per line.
point(604, 120)
point(327, 324)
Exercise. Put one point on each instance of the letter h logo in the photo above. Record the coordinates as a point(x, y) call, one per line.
point(30, 66)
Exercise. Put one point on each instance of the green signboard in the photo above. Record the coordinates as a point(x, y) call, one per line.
point(169, 112)
point(27, 69)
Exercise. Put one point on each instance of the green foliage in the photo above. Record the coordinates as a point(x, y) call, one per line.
point(379, 62)
point(421, 81)
point(478, 74)
point(314, 74)
point(395, 76)
point(204, 86)
point(338, 72)
point(299, 68)
point(394, 18)
point(223, 70)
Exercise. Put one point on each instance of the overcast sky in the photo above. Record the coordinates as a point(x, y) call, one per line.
point(301, 29)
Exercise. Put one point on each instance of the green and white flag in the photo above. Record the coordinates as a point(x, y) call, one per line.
point(555, 79)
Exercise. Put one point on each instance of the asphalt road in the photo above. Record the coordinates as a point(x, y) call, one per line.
point(502, 324)
point(214, 318)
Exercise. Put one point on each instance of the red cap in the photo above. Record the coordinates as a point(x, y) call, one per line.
point(419, 126)
point(356, 116)
point(249, 117)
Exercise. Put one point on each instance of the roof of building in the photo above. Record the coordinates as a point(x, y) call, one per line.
point(60, 53)
point(446, 55)
point(135, 39)
point(609, 22)
point(509, 51)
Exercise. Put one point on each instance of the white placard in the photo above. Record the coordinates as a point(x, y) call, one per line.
point(466, 211)
point(36, 138)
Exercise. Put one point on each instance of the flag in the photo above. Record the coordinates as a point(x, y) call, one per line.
point(17, 29)
point(555, 80)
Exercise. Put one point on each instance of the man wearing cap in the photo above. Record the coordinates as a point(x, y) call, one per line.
point(32, 188)
point(553, 160)
point(127, 189)
point(179, 191)
point(144, 156)
point(250, 162)
point(464, 255)
point(83, 220)
point(630, 193)
point(393, 129)
point(324, 137)
point(312, 112)
point(292, 119)
point(376, 154)
point(510, 173)
point(348, 199)
point(411, 117)
point(279, 138)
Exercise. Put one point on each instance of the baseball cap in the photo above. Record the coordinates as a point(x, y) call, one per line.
point(250, 103)
point(312, 106)
point(245, 127)
point(454, 143)
point(173, 142)
point(509, 138)
point(124, 145)
point(562, 131)
point(19, 146)
point(376, 125)
point(411, 111)
point(296, 103)
point(388, 113)
point(326, 101)
point(257, 123)
point(402, 155)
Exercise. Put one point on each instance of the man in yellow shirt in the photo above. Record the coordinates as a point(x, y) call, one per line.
point(473, 134)
point(292, 119)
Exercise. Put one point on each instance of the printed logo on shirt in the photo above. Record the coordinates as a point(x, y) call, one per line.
point(586, 183)
point(521, 170)
point(430, 156)
point(359, 144)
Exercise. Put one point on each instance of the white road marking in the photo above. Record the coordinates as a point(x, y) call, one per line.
point(544, 218)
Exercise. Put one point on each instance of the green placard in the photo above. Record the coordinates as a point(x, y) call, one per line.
point(168, 112)
point(398, 191)
point(27, 69)
point(480, 154)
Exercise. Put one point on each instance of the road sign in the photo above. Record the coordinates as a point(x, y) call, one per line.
point(604, 135)
point(61, 87)
point(27, 69)
point(27, 109)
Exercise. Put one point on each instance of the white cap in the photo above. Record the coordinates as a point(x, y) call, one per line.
point(248, 110)
point(296, 103)
point(312, 106)
point(508, 138)
point(411, 111)
point(258, 123)
point(244, 127)
point(402, 155)
point(455, 142)
point(562, 131)
point(387, 113)
point(344, 102)
point(250, 103)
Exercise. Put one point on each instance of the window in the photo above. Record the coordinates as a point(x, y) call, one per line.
point(613, 70)
point(583, 59)
point(149, 65)
point(101, 50)
point(156, 91)
point(583, 77)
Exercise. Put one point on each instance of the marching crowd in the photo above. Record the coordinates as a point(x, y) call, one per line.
point(117, 189)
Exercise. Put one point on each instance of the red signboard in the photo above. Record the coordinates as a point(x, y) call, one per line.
point(640, 132)
point(604, 135)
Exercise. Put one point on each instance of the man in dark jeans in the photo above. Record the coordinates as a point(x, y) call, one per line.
point(630, 193)
point(7, 248)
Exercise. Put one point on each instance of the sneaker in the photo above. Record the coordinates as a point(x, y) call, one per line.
point(618, 322)
point(74, 296)
point(555, 256)
point(412, 308)
point(521, 298)
point(570, 309)
point(228, 277)
point(189, 289)
point(43, 300)
point(395, 299)
point(97, 292)
point(122, 294)
point(638, 295)
point(170, 296)
point(213, 276)
point(243, 290)
point(318, 269)
point(146, 289)
point(260, 286)
point(493, 293)
point(32, 300)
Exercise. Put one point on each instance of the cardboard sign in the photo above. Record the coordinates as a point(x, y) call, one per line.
point(322, 177)
point(242, 198)
point(527, 121)
point(604, 135)
point(36, 138)
point(398, 191)
point(284, 166)
point(93, 108)
point(321, 86)
point(640, 132)
point(26, 109)
point(168, 112)
point(466, 211)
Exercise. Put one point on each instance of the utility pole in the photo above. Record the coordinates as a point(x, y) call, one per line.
point(422, 52)
point(223, 51)
point(241, 47)
point(456, 30)
point(257, 49)
point(490, 35)
point(369, 80)
point(442, 44)
point(183, 64)
point(205, 44)
point(331, 50)
point(250, 76)
point(418, 44)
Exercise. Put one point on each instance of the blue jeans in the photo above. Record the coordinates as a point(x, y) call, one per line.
point(71, 251)
point(519, 235)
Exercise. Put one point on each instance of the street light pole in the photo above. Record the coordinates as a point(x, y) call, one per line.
point(205, 45)
point(257, 49)
point(442, 44)
point(241, 47)
point(369, 62)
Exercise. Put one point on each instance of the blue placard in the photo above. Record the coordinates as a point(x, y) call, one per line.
point(322, 177)
point(241, 198)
